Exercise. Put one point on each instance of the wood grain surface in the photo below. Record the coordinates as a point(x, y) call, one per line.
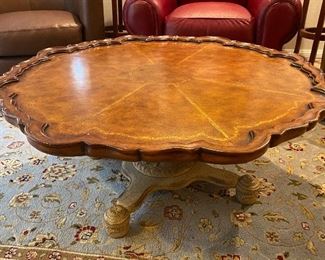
point(163, 98)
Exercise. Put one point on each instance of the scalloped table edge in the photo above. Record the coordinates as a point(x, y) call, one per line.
point(81, 147)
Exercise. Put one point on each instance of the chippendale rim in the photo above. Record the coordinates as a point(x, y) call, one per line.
point(78, 146)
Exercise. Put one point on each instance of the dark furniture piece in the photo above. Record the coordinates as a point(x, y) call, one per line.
point(270, 23)
point(117, 16)
point(27, 26)
point(170, 104)
point(117, 27)
point(316, 34)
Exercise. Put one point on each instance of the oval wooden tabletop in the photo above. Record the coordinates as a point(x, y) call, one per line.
point(163, 98)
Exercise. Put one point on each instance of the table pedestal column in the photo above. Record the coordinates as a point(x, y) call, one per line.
point(147, 177)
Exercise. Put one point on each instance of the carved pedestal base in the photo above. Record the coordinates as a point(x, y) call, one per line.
point(148, 177)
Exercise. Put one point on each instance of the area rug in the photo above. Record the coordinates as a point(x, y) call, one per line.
point(52, 208)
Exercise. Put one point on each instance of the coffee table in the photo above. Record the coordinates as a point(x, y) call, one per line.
point(165, 106)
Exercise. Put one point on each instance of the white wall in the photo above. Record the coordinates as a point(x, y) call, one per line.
point(312, 17)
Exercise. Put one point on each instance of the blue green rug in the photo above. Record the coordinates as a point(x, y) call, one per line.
point(52, 208)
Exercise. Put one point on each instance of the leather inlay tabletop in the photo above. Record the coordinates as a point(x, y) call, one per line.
point(163, 99)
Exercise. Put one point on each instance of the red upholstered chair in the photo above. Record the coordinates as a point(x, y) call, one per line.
point(270, 23)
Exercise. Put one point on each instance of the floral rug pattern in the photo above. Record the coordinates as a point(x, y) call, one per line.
point(52, 208)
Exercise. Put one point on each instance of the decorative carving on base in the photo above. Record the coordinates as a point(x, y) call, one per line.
point(247, 189)
point(163, 169)
point(147, 177)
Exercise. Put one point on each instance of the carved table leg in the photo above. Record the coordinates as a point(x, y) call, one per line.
point(146, 177)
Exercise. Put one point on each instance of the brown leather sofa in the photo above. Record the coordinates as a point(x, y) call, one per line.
point(27, 26)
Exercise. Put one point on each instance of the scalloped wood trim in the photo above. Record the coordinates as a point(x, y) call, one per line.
point(82, 148)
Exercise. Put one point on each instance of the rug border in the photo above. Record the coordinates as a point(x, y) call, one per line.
point(109, 257)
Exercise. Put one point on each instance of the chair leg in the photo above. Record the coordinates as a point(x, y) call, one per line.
point(114, 18)
point(302, 25)
point(322, 65)
point(318, 34)
point(120, 16)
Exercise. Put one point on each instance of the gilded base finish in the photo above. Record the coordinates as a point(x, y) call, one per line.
point(147, 177)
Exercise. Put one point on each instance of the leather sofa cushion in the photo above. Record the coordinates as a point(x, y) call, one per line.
point(27, 5)
point(240, 2)
point(27, 32)
point(212, 18)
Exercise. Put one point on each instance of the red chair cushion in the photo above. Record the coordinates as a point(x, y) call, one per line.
point(240, 2)
point(212, 18)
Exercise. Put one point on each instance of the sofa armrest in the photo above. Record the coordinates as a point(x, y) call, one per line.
point(277, 21)
point(147, 17)
point(91, 16)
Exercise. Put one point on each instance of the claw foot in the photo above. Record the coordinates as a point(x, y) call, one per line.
point(117, 219)
point(247, 189)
